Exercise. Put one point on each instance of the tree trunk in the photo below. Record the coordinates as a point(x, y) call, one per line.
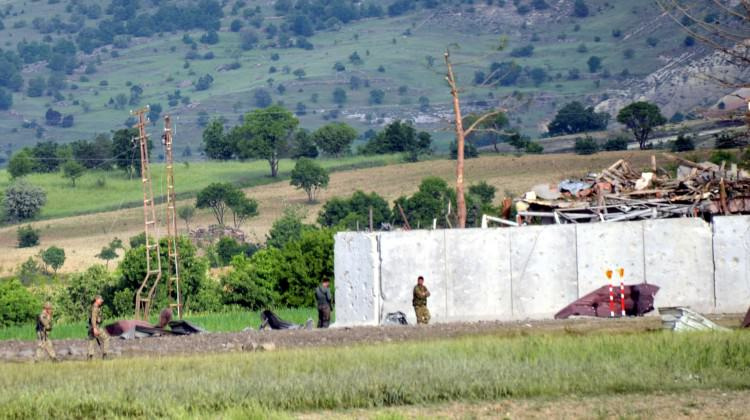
point(460, 201)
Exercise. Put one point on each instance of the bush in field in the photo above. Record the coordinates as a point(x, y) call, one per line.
point(618, 143)
point(684, 143)
point(310, 177)
point(53, 257)
point(27, 236)
point(251, 282)
point(306, 262)
point(23, 200)
point(287, 228)
point(586, 146)
point(20, 164)
point(428, 203)
point(74, 302)
point(227, 247)
point(349, 212)
point(17, 304)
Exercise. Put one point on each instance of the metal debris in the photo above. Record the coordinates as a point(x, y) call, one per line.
point(639, 300)
point(683, 319)
point(395, 318)
point(268, 319)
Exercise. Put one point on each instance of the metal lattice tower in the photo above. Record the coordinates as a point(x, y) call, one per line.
point(173, 259)
point(145, 293)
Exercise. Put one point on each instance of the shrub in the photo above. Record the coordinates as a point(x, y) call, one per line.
point(23, 200)
point(251, 281)
point(684, 143)
point(310, 177)
point(27, 236)
point(17, 304)
point(586, 146)
point(617, 143)
point(228, 247)
point(53, 257)
point(75, 300)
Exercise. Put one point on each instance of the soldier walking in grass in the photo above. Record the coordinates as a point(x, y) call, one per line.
point(420, 301)
point(97, 334)
point(43, 328)
point(323, 298)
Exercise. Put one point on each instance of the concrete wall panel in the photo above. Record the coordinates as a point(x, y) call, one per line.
point(603, 246)
point(732, 263)
point(478, 274)
point(357, 278)
point(679, 259)
point(543, 267)
point(404, 256)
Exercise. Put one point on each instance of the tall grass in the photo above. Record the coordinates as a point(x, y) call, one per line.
point(215, 322)
point(466, 369)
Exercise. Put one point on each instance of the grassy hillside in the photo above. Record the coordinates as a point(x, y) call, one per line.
point(393, 51)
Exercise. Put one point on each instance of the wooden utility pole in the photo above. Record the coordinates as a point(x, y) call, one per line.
point(460, 137)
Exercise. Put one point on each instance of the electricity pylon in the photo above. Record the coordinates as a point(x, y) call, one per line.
point(173, 258)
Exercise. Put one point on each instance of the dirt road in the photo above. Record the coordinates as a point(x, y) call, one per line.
point(13, 350)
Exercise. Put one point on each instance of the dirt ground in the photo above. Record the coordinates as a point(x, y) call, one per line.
point(251, 340)
point(704, 404)
point(83, 237)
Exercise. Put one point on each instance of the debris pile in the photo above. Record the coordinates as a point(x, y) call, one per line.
point(684, 319)
point(639, 300)
point(206, 236)
point(621, 192)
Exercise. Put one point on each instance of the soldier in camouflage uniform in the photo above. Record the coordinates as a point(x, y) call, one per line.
point(97, 334)
point(43, 328)
point(420, 301)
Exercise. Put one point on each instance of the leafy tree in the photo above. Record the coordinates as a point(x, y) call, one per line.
point(36, 87)
point(227, 247)
point(354, 211)
point(250, 283)
point(265, 135)
point(376, 97)
point(594, 63)
point(73, 170)
point(23, 200)
point(186, 213)
point(683, 143)
point(335, 138)
point(420, 146)
point(399, 137)
point(303, 145)
point(17, 304)
point(67, 121)
point(93, 154)
point(491, 130)
point(574, 118)
point(74, 301)
point(218, 197)
point(107, 254)
point(248, 39)
point(580, 9)
point(428, 203)
point(242, 209)
point(46, 156)
point(288, 227)
point(20, 164)
point(6, 99)
point(299, 73)
point(339, 96)
point(126, 152)
point(217, 145)
point(306, 261)
point(204, 82)
point(641, 118)
point(309, 176)
point(727, 140)
point(586, 146)
point(262, 98)
point(27, 236)
point(470, 150)
point(54, 257)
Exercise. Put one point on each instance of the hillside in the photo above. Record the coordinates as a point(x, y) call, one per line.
point(83, 236)
point(101, 60)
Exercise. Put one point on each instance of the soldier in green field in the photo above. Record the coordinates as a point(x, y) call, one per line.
point(97, 334)
point(420, 301)
point(43, 328)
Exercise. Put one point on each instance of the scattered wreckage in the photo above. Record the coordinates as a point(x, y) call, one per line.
point(268, 319)
point(620, 193)
point(129, 328)
point(639, 300)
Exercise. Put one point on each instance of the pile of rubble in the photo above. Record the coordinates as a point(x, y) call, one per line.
point(207, 236)
point(620, 192)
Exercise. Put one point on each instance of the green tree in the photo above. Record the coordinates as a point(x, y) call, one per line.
point(6, 99)
point(428, 203)
point(641, 118)
point(586, 146)
point(218, 197)
point(23, 200)
point(251, 281)
point(580, 9)
point(303, 145)
point(27, 236)
point(20, 164)
point(17, 304)
point(265, 135)
point(617, 143)
point(335, 138)
point(242, 209)
point(683, 143)
point(73, 170)
point(309, 176)
point(348, 213)
point(490, 130)
point(186, 213)
point(126, 151)
point(53, 257)
point(574, 118)
point(215, 143)
point(339, 96)
point(109, 252)
point(74, 302)
point(594, 63)
point(470, 150)
point(288, 227)
point(306, 261)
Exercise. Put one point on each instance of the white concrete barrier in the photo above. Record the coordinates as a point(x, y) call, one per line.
point(543, 270)
point(679, 259)
point(357, 282)
point(478, 274)
point(732, 263)
point(608, 246)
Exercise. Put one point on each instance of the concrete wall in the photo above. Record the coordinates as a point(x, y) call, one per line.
point(533, 272)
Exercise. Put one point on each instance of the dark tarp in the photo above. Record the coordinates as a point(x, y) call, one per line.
point(395, 318)
point(270, 319)
point(639, 299)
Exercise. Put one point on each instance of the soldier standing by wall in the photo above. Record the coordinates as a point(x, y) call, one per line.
point(97, 334)
point(420, 301)
point(43, 328)
point(323, 298)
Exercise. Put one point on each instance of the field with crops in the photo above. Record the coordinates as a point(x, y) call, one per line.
point(518, 373)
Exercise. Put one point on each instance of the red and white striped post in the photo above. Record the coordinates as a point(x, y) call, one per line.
point(622, 290)
point(611, 295)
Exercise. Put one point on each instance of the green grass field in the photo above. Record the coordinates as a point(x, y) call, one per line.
point(214, 322)
point(119, 192)
point(399, 44)
point(278, 384)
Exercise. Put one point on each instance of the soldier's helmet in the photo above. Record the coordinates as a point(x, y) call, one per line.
point(47, 305)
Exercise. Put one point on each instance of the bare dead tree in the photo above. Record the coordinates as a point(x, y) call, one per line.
point(728, 33)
